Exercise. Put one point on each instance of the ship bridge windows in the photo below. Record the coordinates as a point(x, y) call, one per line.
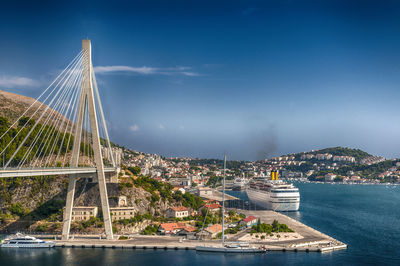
point(285, 191)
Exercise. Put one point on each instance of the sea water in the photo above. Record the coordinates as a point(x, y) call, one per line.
point(366, 217)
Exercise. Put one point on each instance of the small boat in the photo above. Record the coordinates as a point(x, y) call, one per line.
point(21, 241)
point(234, 247)
point(239, 183)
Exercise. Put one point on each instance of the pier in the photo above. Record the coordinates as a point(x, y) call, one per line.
point(311, 240)
point(217, 195)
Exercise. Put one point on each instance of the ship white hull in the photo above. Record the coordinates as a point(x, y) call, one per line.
point(39, 245)
point(271, 201)
point(238, 187)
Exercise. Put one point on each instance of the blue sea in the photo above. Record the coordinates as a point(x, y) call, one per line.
point(366, 217)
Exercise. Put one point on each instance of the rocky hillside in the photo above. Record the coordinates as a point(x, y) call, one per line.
point(28, 204)
point(12, 106)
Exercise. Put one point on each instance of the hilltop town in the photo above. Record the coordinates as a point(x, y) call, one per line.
point(327, 165)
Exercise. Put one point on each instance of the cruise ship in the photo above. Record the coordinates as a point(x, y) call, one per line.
point(21, 241)
point(274, 194)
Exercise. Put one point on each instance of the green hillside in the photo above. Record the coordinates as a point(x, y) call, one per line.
point(42, 147)
point(344, 151)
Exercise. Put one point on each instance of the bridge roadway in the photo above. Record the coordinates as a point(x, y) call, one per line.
point(27, 172)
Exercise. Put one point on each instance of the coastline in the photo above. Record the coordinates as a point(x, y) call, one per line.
point(343, 183)
point(311, 239)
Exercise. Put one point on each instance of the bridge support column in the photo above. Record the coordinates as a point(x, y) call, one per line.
point(87, 100)
point(68, 207)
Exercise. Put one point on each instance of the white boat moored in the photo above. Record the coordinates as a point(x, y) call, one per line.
point(21, 241)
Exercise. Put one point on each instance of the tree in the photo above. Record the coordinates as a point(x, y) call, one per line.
point(4, 122)
point(25, 120)
point(275, 225)
point(17, 209)
point(135, 170)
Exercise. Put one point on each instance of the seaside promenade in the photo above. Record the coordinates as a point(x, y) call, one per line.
point(311, 240)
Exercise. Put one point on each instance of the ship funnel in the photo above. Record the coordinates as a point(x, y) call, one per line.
point(274, 175)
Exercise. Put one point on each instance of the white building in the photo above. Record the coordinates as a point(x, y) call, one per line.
point(83, 213)
point(177, 212)
point(330, 177)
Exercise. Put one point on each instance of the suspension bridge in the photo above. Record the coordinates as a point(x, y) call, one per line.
point(64, 133)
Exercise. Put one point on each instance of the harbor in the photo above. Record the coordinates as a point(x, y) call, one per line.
point(311, 240)
point(313, 214)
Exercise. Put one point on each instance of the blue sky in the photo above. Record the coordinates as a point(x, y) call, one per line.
point(200, 78)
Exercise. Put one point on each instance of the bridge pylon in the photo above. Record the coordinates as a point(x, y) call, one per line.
point(87, 104)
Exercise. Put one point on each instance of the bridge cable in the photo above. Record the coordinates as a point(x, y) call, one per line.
point(51, 130)
point(37, 137)
point(36, 123)
point(20, 130)
point(37, 99)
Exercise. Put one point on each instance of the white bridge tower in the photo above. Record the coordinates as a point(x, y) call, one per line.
point(87, 104)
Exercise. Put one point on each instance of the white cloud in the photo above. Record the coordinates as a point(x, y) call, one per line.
point(144, 70)
point(134, 128)
point(161, 126)
point(15, 81)
point(139, 70)
point(190, 74)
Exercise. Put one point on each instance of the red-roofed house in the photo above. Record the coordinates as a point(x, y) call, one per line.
point(171, 228)
point(188, 232)
point(210, 232)
point(248, 221)
point(212, 207)
point(177, 212)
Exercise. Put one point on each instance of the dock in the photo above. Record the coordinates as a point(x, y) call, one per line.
point(311, 241)
point(217, 195)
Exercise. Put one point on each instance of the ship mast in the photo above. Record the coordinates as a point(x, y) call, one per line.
point(223, 202)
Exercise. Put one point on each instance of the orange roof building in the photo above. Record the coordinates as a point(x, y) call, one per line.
point(173, 228)
point(215, 228)
point(213, 206)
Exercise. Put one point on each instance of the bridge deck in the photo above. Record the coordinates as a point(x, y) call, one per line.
point(27, 172)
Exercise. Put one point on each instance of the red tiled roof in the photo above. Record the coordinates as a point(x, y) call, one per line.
point(172, 226)
point(215, 228)
point(190, 228)
point(179, 209)
point(213, 206)
point(249, 219)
